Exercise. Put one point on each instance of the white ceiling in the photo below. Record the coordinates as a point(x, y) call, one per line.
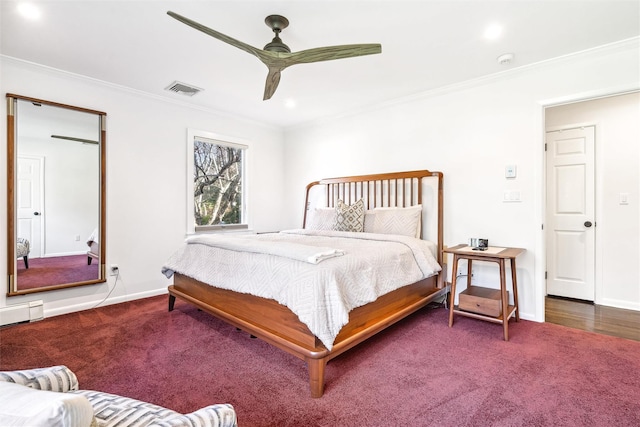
point(426, 45)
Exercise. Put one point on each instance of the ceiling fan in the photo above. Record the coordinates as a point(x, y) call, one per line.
point(277, 56)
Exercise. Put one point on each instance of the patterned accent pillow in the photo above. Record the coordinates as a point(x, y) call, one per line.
point(349, 217)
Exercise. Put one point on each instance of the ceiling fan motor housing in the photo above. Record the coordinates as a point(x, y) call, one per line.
point(277, 23)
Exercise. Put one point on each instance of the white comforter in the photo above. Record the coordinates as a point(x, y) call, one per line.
point(321, 294)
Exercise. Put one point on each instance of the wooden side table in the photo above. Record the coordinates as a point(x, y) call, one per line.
point(492, 254)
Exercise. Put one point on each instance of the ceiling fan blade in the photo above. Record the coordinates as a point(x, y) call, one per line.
point(273, 79)
point(213, 33)
point(330, 53)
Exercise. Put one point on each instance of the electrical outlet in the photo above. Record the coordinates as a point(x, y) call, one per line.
point(114, 269)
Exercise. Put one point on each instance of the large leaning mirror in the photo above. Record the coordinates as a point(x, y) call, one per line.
point(56, 195)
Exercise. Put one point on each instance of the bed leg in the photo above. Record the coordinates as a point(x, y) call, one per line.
point(316, 376)
point(172, 302)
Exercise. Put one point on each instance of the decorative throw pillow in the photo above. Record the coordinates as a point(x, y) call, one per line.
point(349, 217)
point(321, 219)
point(402, 221)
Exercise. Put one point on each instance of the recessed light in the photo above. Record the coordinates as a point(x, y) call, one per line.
point(29, 11)
point(290, 103)
point(493, 32)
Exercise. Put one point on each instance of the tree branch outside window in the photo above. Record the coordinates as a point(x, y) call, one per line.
point(217, 183)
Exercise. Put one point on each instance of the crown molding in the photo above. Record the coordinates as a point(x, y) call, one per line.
point(135, 92)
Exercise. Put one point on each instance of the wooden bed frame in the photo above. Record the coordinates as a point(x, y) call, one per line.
point(279, 326)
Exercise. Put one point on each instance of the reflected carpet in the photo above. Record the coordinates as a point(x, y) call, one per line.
point(55, 271)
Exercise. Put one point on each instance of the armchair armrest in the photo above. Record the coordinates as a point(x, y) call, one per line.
point(54, 378)
point(220, 415)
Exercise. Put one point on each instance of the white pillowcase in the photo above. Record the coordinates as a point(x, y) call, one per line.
point(369, 221)
point(402, 221)
point(24, 406)
point(321, 219)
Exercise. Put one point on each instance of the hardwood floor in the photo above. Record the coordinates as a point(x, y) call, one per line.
point(595, 318)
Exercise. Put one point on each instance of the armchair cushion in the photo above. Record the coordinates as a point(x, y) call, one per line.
point(25, 406)
point(221, 415)
point(113, 410)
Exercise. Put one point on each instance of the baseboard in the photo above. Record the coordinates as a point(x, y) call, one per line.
point(20, 313)
point(100, 303)
point(627, 305)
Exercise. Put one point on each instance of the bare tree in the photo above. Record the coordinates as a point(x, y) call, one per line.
point(217, 183)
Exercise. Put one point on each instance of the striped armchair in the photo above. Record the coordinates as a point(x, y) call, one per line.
point(23, 248)
point(51, 396)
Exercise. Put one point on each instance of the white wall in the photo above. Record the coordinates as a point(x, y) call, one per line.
point(146, 178)
point(617, 121)
point(71, 202)
point(469, 132)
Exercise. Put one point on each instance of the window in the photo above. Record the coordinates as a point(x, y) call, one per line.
point(216, 183)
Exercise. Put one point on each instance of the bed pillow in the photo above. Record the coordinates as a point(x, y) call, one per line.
point(321, 219)
point(349, 217)
point(402, 221)
point(369, 221)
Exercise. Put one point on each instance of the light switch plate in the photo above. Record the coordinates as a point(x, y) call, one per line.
point(511, 196)
point(510, 171)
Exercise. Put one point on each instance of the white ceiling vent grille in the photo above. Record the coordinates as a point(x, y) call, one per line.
point(183, 88)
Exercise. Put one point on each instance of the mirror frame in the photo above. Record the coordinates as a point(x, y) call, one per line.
point(12, 194)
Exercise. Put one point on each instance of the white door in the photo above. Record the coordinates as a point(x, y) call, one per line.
point(570, 224)
point(29, 203)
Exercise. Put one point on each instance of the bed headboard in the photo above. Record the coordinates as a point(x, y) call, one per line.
point(398, 189)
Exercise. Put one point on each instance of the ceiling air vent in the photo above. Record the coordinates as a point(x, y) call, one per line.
point(183, 88)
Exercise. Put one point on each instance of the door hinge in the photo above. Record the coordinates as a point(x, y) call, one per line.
point(545, 275)
point(545, 146)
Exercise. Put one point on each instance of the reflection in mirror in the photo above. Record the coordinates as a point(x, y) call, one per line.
point(56, 195)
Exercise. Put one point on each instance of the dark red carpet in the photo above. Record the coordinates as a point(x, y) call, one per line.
point(417, 373)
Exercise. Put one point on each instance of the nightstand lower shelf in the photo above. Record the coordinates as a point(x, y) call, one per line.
point(511, 309)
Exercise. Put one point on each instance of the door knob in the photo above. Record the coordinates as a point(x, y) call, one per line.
point(587, 224)
point(36, 213)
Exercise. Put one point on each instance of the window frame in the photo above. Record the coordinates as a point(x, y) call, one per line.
point(218, 139)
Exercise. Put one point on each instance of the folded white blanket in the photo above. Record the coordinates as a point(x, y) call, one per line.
point(297, 251)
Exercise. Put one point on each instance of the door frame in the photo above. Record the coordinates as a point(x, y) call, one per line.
point(540, 284)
